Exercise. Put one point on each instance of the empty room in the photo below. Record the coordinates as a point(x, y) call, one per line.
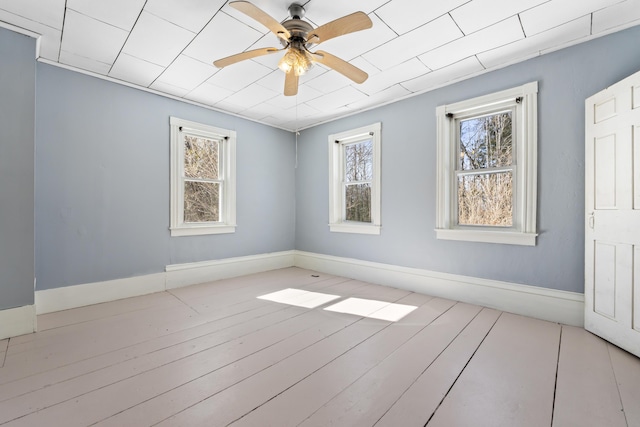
point(347, 213)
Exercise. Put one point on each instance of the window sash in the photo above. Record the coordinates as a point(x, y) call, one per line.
point(522, 102)
point(224, 182)
point(338, 183)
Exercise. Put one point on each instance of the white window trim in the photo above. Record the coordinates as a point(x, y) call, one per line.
point(336, 171)
point(523, 231)
point(228, 214)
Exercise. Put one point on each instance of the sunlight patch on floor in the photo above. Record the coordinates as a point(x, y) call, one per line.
point(299, 298)
point(371, 308)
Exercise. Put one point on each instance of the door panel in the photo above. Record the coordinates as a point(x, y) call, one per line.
point(605, 179)
point(612, 204)
point(604, 292)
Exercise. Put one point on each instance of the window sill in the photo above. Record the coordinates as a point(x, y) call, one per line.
point(202, 230)
point(344, 227)
point(488, 236)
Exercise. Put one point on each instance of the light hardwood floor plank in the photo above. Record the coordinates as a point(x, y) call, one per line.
point(40, 380)
point(196, 391)
point(418, 403)
point(213, 322)
point(168, 364)
point(586, 392)
point(3, 351)
point(93, 312)
point(214, 353)
point(232, 403)
point(627, 371)
point(174, 401)
point(309, 394)
point(195, 356)
point(509, 381)
point(353, 369)
point(75, 336)
point(367, 399)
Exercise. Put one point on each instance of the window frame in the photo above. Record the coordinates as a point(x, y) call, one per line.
point(336, 145)
point(523, 101)
point(227, 159)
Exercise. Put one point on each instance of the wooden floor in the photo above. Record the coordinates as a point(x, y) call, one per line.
point(214, 354)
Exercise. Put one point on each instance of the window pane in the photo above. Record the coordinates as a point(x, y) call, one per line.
point(486, 142)
point(486, 199)
point(359, 161)
point(358, 202)
point(200, 157)
point(201, 201)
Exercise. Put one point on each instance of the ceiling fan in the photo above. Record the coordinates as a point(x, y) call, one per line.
point(297, 36)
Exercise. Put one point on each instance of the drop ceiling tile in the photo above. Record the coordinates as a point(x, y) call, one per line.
point(277, 9)
point(620, 14)
point(365, 66)
point(270, 60)
point(170, 89)
point(301, 111)
point(405, 15)
point(208, 94)
point(387, 95)
point(351, 45)
point(251, 96)
point(50, 40)
point(135, 70)
point(192, 15)
point(329, 82)
point(258, 112)
point(423, 39)
point(50, 12)
point(305, 93)
point(500, 34)
point(324, 11)
point(221, 37)
point(187, 73)
point(533, 46)
point(478, 14)
point(230, 107)
point(405, 71)
point(337, 99)
point(454, 72)
point(557, 12)
point(239, 75)
point(119, 13)
point(89, 38)
point(156, 40)
point(316, 71)
point(83, 63)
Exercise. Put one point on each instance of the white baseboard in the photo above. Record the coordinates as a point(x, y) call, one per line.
point(17, 321)
point(179, 275)
point(547, 304)
point(533, 301)
point(50, 300)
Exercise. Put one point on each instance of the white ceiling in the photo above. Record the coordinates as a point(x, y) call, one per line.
point(414, 46)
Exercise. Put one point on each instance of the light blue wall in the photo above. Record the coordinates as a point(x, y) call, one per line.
point(102, 183)
point(566, 78)
point(17, 109)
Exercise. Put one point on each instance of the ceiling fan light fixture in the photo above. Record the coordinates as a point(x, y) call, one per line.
point(296, 59)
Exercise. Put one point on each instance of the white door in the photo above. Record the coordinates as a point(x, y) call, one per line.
point(612, 204)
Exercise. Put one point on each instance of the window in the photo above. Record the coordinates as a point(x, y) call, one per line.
point(203, 192)
point(354, 181)
point(486, 168)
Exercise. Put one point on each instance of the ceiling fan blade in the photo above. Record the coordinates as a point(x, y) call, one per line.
point(347, 24)
point(262, 17)
point(221, 63)
point(290, 84)
point(341, 66)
